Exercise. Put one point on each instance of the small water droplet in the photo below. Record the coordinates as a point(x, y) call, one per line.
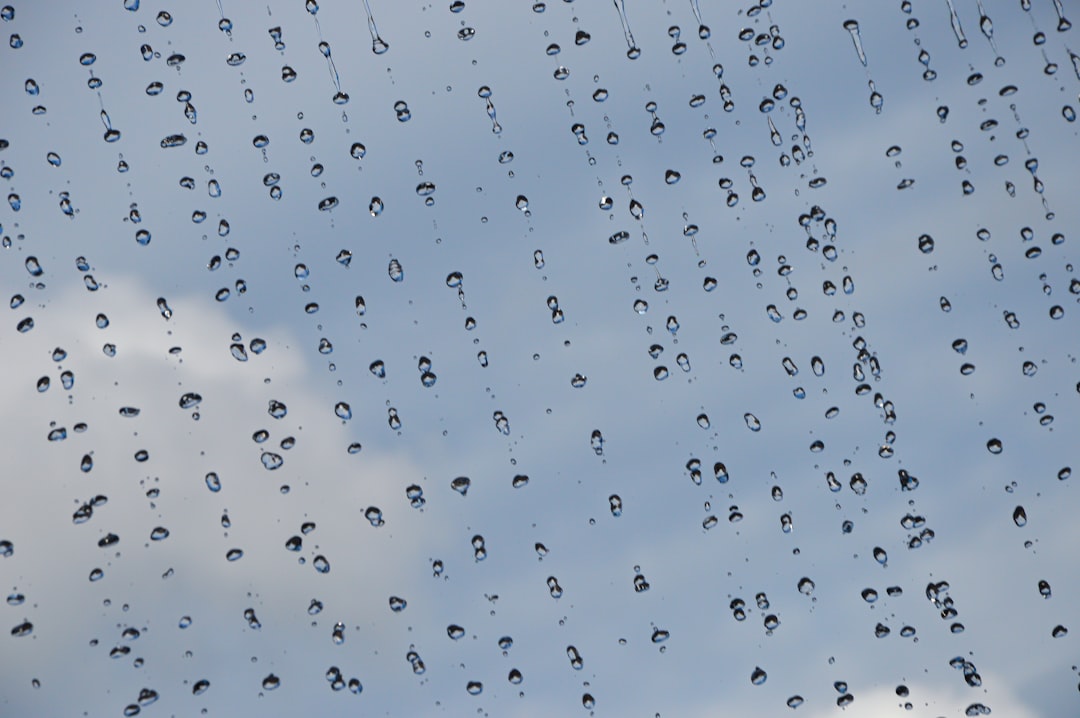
point(1020, 516)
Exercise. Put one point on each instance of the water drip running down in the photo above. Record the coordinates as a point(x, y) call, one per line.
point(703, 29)
point(986, 26)
point(340, 97)
point(633, 51)
point(852, 27)
point(1063, 22)
point(378, 45)
point(954, 20)
point(224, 23)
point(484, 93)
point(876, 100)
point(912, 24)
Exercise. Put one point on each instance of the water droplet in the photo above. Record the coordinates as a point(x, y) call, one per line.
point(615, 504)
point(374, 516)
point(271, 461)
point(395, 271)
point(1020, 516)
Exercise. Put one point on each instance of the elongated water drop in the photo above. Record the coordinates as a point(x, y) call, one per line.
point(852, 27)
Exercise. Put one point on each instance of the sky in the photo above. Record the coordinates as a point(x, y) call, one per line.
point(627, 313)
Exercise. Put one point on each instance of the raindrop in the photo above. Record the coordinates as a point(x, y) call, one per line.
point(1019, 516)
point(395, 271)
point(374, 516)
point(615, 504)
point(271, 461)
point(480, 551)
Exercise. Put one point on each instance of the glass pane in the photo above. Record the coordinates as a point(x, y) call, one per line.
point(564, 358)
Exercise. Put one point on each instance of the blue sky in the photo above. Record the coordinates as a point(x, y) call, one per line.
point(650, 428)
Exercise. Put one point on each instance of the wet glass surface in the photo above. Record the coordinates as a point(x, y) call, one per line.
point(515, 359)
